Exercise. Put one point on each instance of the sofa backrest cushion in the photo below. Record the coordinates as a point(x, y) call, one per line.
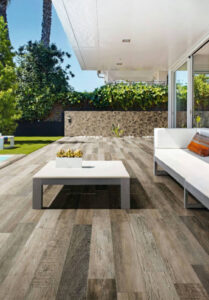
point(203, 131)
point(199, 145)
point(173, 138)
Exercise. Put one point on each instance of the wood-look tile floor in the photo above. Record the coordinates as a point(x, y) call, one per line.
point(85, 247)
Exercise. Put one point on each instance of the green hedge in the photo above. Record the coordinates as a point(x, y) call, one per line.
point(121, 96)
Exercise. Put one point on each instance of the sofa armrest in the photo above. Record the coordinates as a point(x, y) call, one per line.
point(173, 138)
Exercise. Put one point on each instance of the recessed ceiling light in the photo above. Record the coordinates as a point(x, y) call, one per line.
point(126, 40)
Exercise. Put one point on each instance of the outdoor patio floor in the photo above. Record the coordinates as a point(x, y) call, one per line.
point(85, 247)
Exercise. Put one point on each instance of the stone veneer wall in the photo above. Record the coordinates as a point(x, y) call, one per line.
point(95, 123)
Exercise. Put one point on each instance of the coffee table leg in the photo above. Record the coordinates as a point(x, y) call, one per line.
point(37, 193)
point(125, 193)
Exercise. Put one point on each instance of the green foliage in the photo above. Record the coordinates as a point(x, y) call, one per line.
point(8, 84)
point(201, 92)
point(198, 121)
point(43, 82)
point(201, 99)
point(121, 96)
point(117, 131)
point(181, 96)
point(127, 96)
point(42, 79)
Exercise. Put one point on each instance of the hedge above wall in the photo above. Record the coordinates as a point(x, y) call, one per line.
point(119, 96)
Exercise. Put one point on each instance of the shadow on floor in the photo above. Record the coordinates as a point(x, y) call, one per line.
point(73, 142)
point(35, 142)
point(95, 197)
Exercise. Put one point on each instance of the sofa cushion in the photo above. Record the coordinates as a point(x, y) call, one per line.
point(200, 183)
point(183, 162)
point(203, 131)
point(199, 145)
point(173, 138)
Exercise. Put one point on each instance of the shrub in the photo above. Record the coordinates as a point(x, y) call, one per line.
point(42, 79)
point(127, 96)
point(8, 84)
point(201, 92)
point(121, 96)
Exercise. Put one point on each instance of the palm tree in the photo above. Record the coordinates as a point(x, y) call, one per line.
point(3, 11)
point(46, 22)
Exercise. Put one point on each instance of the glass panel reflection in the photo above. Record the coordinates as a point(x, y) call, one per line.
point(181, 96)
point(201, 87)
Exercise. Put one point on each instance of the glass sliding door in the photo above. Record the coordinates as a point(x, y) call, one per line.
point(181, 78)
point(201, 87)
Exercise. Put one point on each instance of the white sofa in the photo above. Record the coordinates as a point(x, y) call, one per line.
point(186, 167)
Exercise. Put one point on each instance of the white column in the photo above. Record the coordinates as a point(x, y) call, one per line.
point(190, 91)
point(171, 100)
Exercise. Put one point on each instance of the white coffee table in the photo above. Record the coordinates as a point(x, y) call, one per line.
point(91, 173)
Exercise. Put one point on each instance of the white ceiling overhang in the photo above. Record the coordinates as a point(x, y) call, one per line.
point(160, 32)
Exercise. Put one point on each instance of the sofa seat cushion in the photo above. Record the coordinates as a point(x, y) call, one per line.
point(183, 162)
point(200, 183)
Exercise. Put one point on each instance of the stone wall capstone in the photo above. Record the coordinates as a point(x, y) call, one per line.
point(99, 123)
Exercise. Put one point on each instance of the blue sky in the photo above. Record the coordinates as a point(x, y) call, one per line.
point(181, 77)
point(24, 19)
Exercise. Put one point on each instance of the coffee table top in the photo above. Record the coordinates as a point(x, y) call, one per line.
point(90, 169)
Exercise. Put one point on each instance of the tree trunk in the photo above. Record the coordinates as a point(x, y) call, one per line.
point(46, 23)
point(3, 12)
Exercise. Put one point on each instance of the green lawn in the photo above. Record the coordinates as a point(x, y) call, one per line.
point(28, 144)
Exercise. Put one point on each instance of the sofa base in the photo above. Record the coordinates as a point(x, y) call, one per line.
point(159, 172)
point(204, 201)
point(167, 171)
point(188, 205)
